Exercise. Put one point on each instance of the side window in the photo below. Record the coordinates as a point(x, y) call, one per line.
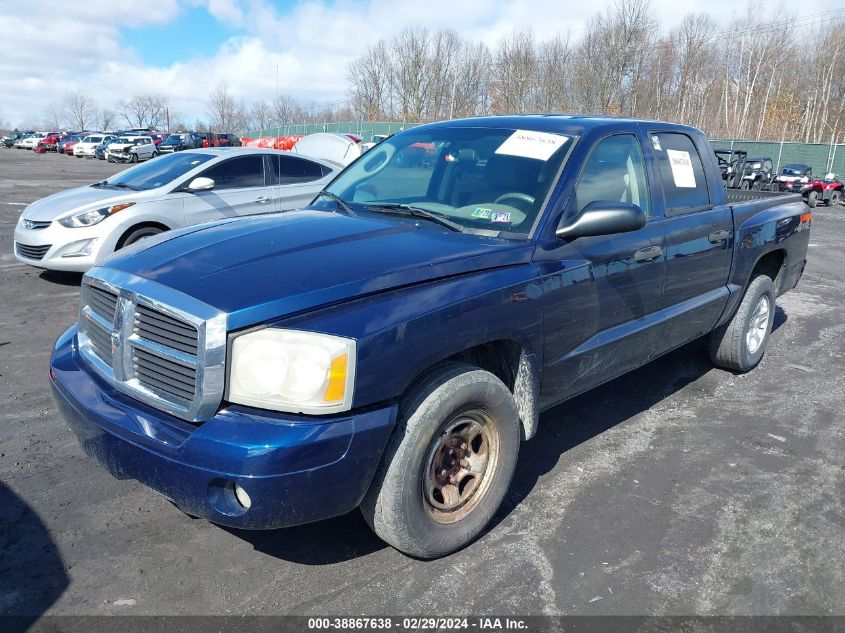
point(681, 172)
point(246, 171)
point(291, 170)
point(615, 171)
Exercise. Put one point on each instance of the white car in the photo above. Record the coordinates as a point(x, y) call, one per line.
point(130, 149)
point(86, 147)
point(74, 229)
point(31, 141)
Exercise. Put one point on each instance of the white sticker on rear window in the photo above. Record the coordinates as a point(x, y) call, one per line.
point(530, 144)
point(681, 168)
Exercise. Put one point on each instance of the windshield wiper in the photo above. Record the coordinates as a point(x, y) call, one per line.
point(102, 183)
point(417, 212)
point(123, 185)
point(340, 201)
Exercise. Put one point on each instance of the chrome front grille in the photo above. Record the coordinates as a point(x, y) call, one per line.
point(153, 343)
point(165, 330)
point(32, 252)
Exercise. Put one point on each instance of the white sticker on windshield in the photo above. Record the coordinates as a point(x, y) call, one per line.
point(530, 144)
point(681, 168)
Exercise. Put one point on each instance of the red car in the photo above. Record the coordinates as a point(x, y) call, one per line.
point(69, 147)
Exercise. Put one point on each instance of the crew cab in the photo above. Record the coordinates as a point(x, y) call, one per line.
point(391, 345)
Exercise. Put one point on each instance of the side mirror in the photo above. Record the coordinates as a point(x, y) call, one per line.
point(603, 217)
point(201, 183)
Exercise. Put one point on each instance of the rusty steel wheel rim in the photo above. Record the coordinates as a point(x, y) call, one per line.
point(460, 466)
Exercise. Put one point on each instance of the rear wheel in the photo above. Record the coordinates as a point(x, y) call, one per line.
point(744, 184)
point(740, 343)
point(835, 197)
point(757, 185)
point(448, 465)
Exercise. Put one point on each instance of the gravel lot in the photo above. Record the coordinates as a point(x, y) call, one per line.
point(677, 489)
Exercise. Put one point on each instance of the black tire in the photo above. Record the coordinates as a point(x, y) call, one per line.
point(744, 184)
point(133, 158)
point(400, 505)
point(756, 186)
point(731, 344)
point(813, 199)
point(835, 196)
point(137, 235)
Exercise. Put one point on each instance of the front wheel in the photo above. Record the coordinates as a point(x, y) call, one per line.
point(448, 465)
point(740, 343)
point(138, 234)
point(813, 199)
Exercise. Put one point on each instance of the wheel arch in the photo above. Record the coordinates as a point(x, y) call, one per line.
point(511, 363)
point(134, 227)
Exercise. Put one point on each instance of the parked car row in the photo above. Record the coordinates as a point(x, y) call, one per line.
point(66, 142)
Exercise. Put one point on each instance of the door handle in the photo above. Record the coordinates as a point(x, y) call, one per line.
point(647, 254)
point(263, 200)
point(718, 236)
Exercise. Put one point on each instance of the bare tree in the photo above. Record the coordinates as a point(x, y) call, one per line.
point(225, 112)
point(80, 109)
point(145, 111)
point(370, 78)
point(54, 114)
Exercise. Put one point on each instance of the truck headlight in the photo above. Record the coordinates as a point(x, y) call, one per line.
point(90, 218)
point(292, 371)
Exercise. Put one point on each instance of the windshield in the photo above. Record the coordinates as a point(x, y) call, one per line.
point(158, 172)
point(123, 141)
point(793, 171)
point(485, 179)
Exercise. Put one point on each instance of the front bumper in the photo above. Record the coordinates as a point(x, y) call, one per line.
point(60, 241)
point(295, 469)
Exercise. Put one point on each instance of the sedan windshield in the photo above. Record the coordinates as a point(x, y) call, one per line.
point(158, 172)
point(173, 138)
point(483, 179)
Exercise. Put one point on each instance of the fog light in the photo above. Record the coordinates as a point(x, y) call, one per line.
point(78, 249)
point(242, 497)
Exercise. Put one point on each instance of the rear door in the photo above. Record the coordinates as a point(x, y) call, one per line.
point(241, 187)
point(699, 238)
point(298, 180)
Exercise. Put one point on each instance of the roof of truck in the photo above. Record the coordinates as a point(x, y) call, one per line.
point(568, 123)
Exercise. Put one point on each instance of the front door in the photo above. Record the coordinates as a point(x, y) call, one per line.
point(240, 188)
point(602, 293)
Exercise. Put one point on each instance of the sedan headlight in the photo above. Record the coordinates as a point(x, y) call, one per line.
point(292, 371)
point(90, 218)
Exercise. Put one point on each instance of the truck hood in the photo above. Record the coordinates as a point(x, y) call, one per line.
point(265, 267)
point(81, 199)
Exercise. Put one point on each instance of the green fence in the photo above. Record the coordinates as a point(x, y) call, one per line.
point(821, 157)
point(364, 129)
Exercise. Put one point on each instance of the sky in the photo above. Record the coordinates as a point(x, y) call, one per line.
point(183, 48)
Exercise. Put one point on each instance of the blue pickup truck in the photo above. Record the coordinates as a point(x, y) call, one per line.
point(390, 346)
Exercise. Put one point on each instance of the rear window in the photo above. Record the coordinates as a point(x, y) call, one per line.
point(290, 170)
point(681, 172)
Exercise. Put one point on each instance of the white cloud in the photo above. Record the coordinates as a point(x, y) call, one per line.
point(53, 46)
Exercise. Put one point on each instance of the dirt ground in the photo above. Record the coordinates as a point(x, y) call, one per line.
point(677, 489)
